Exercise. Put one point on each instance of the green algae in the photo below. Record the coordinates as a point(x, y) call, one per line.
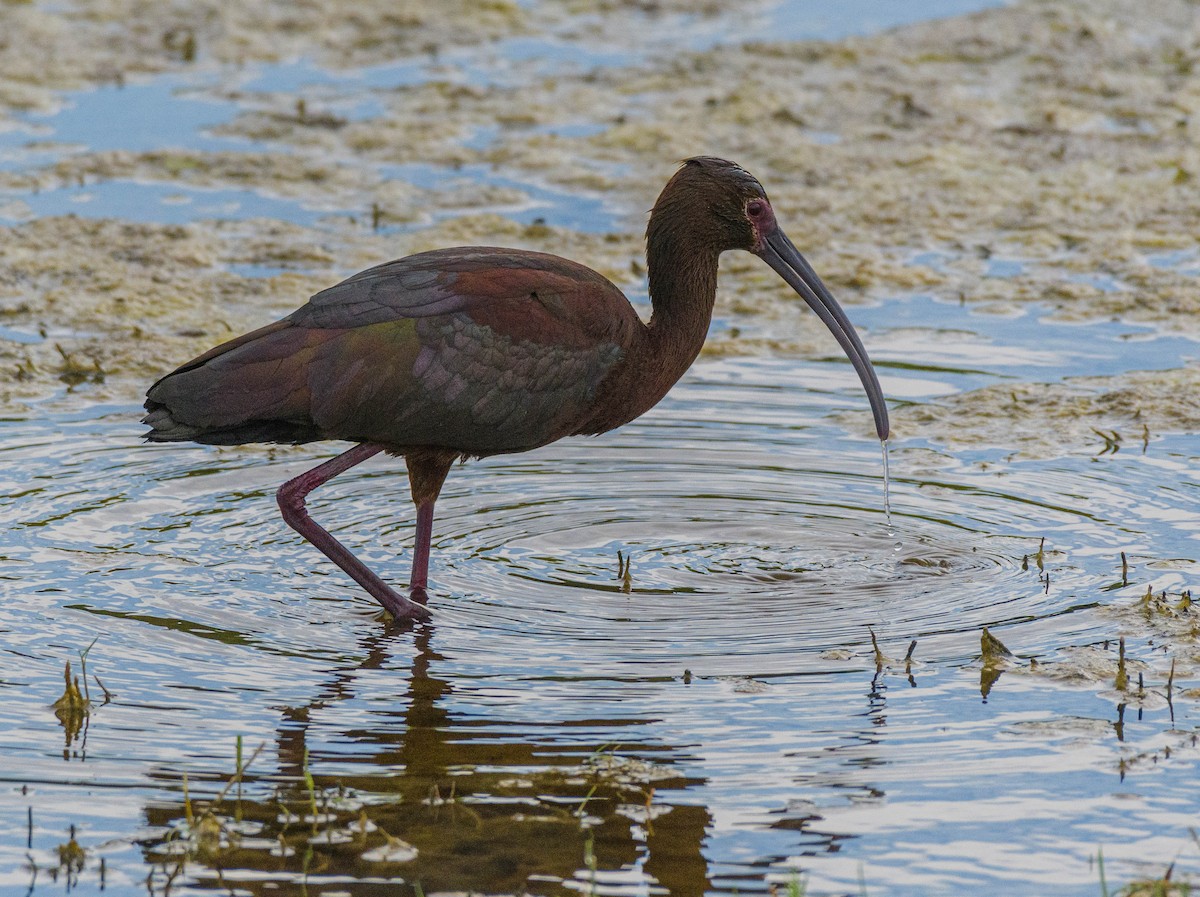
point(104, 303)
point(109, 306)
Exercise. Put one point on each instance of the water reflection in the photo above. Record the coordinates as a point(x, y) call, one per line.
point(601, 802)
point(520, 812)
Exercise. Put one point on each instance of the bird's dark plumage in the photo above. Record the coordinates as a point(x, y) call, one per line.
point(429, 350)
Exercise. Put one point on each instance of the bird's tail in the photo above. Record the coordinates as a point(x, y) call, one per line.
point(250, 389)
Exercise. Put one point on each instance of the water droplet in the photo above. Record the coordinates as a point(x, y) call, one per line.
point(887, 486)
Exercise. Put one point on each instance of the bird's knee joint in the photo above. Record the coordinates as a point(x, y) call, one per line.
point(291, 502)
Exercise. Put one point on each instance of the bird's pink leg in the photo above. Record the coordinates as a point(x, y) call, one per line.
point(291, 498)
point(427, 469)
point(420, 565)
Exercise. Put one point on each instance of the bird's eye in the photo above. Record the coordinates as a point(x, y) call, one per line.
point(754, 208)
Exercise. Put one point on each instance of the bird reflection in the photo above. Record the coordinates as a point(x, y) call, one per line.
point(449, 801)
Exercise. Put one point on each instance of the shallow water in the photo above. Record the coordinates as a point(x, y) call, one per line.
point(719, 722)
point(733, 690)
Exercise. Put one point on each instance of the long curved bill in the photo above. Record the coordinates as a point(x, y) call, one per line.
point(785, 258)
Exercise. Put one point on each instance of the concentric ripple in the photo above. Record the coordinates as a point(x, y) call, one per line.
point(754, 531)
point(755, 563)
point(755, 535)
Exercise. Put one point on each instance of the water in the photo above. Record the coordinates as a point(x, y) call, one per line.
point(731, 695)
point(887, 485)
point(723, 724)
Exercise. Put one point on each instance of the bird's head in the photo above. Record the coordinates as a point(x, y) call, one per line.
point(712, 205)
point(719, 202)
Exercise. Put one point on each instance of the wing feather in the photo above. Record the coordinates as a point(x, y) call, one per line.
point(477, 350)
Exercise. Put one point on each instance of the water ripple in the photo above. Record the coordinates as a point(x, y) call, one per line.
point(737, 671)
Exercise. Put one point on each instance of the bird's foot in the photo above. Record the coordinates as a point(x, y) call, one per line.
point(402, 609)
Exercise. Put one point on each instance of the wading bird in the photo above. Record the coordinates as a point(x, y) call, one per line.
point(476, 351)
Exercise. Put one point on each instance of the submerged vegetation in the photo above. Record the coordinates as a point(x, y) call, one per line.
point(303, 829)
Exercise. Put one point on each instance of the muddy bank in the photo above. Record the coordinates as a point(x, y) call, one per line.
point(1096, 415)
point(1058, 137)
point(74, 45)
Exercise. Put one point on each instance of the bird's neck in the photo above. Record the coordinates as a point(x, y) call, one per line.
point(683, 288)
point(682, 268)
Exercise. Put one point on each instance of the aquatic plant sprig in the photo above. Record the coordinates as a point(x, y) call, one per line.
point(623, 571)
point(74, 707)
